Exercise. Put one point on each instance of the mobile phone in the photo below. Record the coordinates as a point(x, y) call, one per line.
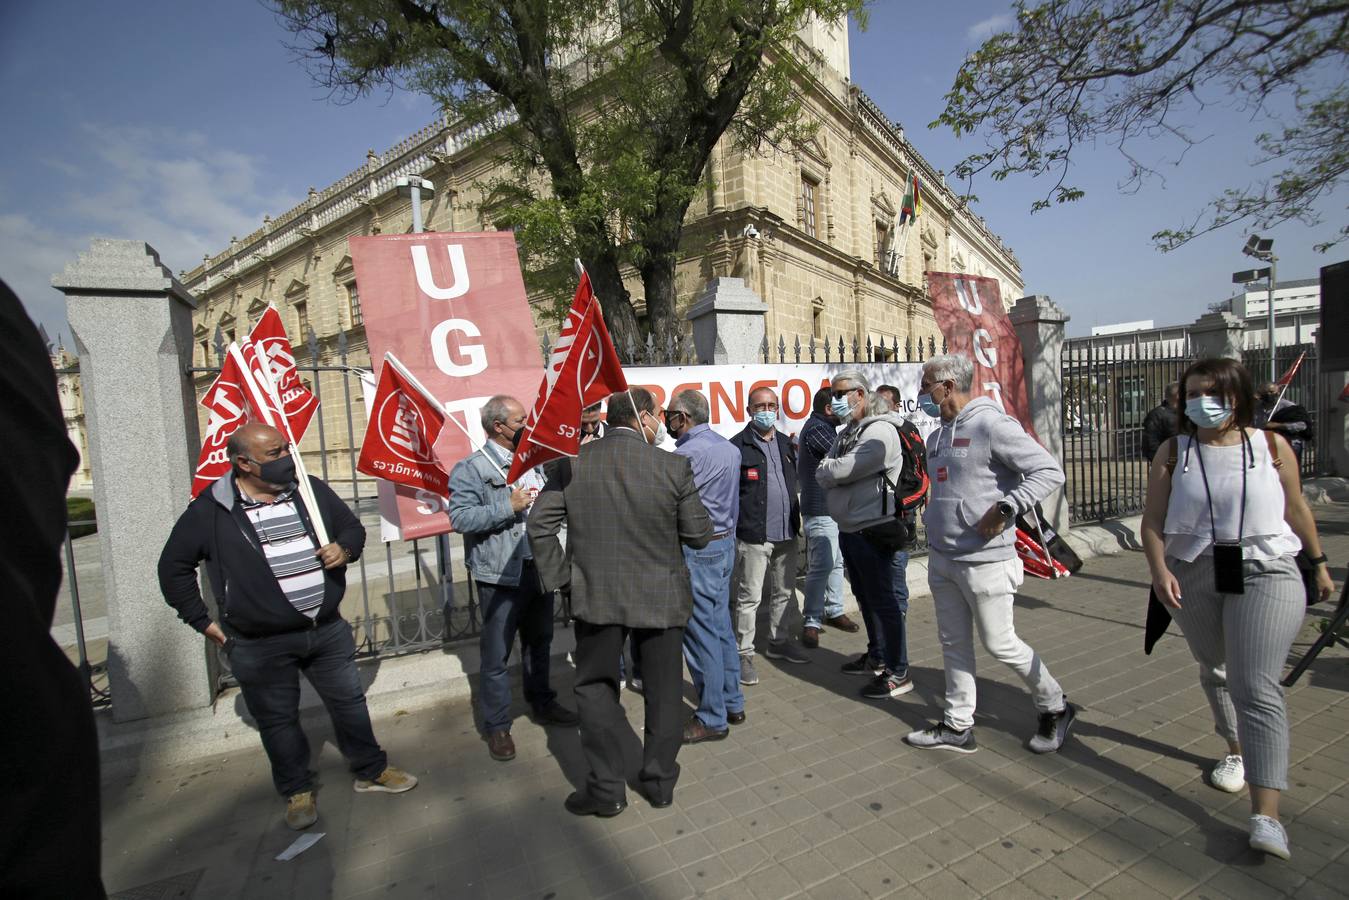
point(1228, 577)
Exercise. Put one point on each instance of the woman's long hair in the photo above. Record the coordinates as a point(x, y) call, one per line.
point(1233, 384)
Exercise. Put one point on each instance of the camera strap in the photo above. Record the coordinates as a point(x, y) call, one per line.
point(1208, 495)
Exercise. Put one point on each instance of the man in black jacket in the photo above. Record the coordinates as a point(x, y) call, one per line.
point(278, 593)
point(766, 531)
point(1276, 413)
point(1160, 424)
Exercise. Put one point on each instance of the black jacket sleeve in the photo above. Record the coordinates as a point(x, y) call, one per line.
point(344, 529)
point(178, 582)
point(1158, 427)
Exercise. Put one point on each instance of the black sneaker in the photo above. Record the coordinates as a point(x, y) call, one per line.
point(943, 737)
point(1053, 729)
point(887, 685)
point(863, 665)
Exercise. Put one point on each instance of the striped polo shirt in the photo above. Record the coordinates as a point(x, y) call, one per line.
point(289, 549)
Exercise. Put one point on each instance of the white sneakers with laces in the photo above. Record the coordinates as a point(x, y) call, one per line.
point(1268, 836)
point(1229, 774)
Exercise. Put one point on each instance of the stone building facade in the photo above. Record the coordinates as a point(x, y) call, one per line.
point(814, 233)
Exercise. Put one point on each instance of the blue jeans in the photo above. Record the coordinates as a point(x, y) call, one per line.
point(710, 648)
point(882, 594)
point(506, 610)
point(268, 670)
point(824, 572)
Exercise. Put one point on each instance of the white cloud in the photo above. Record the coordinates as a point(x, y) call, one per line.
point(983, 30)
point(173, 189)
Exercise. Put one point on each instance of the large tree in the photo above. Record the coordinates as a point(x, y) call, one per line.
point(1127, 71)
point(612, 109)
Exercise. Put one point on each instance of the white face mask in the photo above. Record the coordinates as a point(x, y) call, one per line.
point(661, 433)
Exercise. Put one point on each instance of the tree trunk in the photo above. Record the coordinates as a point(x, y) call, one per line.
point(619, 315)
point(658, 280)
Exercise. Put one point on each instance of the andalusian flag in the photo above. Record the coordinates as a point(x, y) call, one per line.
point(917, 195)
point(908, 208)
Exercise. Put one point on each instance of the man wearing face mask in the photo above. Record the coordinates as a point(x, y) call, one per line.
point(709, 640)
point(592, 426)
point(628, 509)
point(985, 471)
point(766, 530)
point(278, 594)
point(867, 451)
point(823, 603)
point(1275, 412)
point(490, 514)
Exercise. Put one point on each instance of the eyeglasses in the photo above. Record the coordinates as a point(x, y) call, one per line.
point(925, 387)
point(839, 395)
point(764, 407)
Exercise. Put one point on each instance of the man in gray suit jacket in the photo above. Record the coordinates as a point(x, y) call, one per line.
point(628, 508)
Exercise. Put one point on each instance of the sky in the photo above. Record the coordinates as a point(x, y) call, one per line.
point(184, 122)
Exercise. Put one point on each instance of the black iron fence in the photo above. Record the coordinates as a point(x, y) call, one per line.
point(1108, 391)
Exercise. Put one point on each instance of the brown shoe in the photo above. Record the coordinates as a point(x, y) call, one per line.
point(390, 781)
point(695, 732)
point(810, 637)
point(843, 623)
point(301, 811)
point(500, 746)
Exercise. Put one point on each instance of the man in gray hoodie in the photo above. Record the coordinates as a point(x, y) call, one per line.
point(985, 470)
point(854, 493)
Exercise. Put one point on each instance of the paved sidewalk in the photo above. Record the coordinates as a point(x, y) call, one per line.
point(814, 796)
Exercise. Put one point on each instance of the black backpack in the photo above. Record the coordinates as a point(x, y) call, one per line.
point(900, 532)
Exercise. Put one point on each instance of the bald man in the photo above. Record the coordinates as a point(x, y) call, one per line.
point(278, 593)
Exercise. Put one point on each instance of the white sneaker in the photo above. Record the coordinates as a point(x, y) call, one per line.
point(1229, 774)
point(1268, 836)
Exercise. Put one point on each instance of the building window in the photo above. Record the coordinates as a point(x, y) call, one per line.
point(302, 319)
point(205, 352)
point(808, 205)
point(354, 305)
point(882, 243)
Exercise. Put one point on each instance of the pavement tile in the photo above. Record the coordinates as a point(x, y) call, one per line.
point(1051, 881)
point(817, 797)
point(944, 885)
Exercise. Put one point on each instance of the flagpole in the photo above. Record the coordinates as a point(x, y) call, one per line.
point(268, 389)
point(1283, 386)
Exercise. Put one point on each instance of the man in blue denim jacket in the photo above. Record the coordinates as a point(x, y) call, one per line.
point(490, 514)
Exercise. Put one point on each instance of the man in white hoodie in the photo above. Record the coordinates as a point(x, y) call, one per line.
point(867, 451)
point(985, 470)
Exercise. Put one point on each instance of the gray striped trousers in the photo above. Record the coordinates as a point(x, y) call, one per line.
point(1241, 643)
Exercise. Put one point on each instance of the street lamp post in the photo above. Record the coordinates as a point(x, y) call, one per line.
point(1263, 250)
point(416, 187)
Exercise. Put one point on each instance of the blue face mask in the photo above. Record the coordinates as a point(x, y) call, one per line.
point(1207, 412)
point(765, 420)
point(841, 407)
point(928, 405)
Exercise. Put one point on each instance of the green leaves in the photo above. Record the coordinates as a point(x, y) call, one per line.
point(1124, 71)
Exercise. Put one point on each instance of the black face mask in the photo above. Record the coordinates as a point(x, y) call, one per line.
point(279, 471)
point(517, 437)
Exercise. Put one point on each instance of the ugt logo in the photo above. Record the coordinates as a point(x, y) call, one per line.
point(403, 429)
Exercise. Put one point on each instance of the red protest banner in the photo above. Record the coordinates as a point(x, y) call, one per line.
point(400, 438)
point(298, 403)
point(453, 309)
point(583, 368)
point(970, 315)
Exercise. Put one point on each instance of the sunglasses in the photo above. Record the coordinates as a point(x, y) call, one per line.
point(839, 395)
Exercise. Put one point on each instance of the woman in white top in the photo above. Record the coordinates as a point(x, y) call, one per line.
point(1220, 533)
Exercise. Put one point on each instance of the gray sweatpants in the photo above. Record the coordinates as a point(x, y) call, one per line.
point(1241, 642)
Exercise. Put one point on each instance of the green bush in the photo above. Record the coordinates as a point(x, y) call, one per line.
point(80, 509)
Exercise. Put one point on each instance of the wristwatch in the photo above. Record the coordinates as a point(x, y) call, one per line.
point(1317, 560)
point(1006, 510)
point(345, 552)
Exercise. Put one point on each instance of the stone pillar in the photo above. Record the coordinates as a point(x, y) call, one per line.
point(132, 322)
point(1040, 326)
point(1216, 335)
point(728, 323)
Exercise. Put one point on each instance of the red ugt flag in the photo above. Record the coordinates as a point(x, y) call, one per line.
point(583, 368)
point(1287, 377)
point(404, 424)
point(233, 400)
point(297, 402)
